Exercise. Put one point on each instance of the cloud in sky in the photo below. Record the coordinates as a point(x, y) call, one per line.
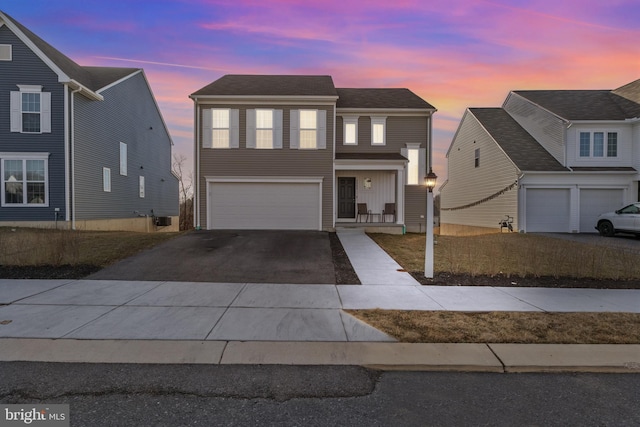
point(455, 54)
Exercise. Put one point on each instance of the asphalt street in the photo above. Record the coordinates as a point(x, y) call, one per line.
point(190, 395)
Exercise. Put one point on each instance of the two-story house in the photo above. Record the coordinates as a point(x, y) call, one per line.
point(295, 152)
point(80, 147)
point(551, 160)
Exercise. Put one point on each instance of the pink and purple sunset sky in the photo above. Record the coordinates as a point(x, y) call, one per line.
point(455, 53)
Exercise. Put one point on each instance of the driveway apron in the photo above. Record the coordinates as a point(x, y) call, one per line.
point(222, 256)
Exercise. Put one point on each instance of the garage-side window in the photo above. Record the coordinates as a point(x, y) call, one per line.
point(598, 144)
point(264, 128)
point(308, 130)
point(220, 128)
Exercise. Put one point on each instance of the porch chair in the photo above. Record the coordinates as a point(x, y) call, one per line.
point(389, 209)
point(362, 210)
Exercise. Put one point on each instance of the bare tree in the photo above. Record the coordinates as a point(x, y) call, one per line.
point(185, 184)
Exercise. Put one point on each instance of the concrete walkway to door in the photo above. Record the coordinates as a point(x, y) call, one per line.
point(371, 263)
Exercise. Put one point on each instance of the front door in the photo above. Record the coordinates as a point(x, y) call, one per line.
point(346, 197)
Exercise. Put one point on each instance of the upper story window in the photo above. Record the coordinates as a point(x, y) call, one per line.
point(350, 130)
point(413, 174)
point(476, 157)
point(308, 129)
point(106, 180)
point(123, 159)
point(30, 110)
point(220, 128)
point(598, 144)
point(6, 53)
point(24, 179)
point(378, 130)
point(264, 129)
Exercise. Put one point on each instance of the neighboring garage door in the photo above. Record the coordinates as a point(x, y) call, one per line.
point(547, 210)
point(264, 205)
point(593, 202)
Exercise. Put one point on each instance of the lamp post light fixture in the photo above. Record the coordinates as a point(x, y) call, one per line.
point(430, 183)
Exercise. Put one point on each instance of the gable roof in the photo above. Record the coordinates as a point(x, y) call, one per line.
point(380, 98)
point(93, 78)
point(522, 148)
point(584, 104)
point(269, 85)
point(630, 91)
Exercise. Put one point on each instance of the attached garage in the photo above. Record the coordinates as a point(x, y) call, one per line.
point(264, 204)
point(593, 202)
point(547, 210)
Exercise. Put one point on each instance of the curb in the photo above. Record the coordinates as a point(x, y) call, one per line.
point(507, 358)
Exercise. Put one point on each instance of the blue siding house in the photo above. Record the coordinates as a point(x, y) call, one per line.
point(80, 147)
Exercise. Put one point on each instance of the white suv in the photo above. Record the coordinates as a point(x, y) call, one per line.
point(625, 220)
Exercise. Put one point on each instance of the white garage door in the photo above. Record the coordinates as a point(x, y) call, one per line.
point(593, 202)
point(264, 206)
point(548, 210)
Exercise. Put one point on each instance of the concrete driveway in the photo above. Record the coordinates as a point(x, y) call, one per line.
point(232, 257)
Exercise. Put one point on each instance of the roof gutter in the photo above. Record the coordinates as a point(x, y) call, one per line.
point(79, 87)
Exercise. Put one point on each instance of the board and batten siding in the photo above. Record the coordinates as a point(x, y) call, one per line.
point(546, 128)
point(127, 114)
point(383, 188)
point(281, 162)
point(26, 68)
point(468, 184)
point(400, 131)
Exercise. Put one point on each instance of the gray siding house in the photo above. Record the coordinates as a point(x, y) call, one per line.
point(552, 160)
point(295, 152)
point(80, 147)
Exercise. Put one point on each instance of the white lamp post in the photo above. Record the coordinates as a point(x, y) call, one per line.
point(430, 183)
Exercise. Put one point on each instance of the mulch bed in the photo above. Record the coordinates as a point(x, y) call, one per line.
point(345, 274)
point(47, 271)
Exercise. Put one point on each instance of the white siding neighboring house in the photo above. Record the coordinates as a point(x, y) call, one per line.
point(551, 160)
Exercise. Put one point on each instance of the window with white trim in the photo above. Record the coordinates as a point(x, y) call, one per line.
point(264, 129)
point(308, 129)
point(141, 186)
point(378, 130)
point(413, 169)
point(476, 157)
point(598, 144)
point(350, 130)
point(106, 180)
point(219, 128)
point(24, 180)
point(123, 159)
point(30, 110)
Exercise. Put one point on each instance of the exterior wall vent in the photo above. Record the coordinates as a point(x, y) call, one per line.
point(163, 221)
point(5, 52)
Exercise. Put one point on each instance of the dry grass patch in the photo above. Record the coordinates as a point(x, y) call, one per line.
point(512, 254)
point(504, 327)
point(34, 247)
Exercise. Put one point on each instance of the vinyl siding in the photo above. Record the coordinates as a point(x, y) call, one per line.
point(400, 132)
point(127, 114)
point(545, 127)
point(467, 184)
point(277, 162)
point(27, 69)
point(625, 146)
point(415, 208)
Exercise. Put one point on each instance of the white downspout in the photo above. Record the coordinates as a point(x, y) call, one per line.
point(196, 194)
point(73, 160)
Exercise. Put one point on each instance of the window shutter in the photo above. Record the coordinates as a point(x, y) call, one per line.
point(294, 130)
point(45, 112)
point(422, 165)
point(234, 128)
point(251, 128)
point(16, 116)
point(207, 124)
point(277, 128)
point(322, 130)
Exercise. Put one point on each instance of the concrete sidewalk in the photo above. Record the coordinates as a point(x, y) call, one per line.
point(111, 321)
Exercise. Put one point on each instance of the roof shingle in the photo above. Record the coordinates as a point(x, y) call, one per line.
point(270, 85)
point(517, 143)
point(380, 98)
